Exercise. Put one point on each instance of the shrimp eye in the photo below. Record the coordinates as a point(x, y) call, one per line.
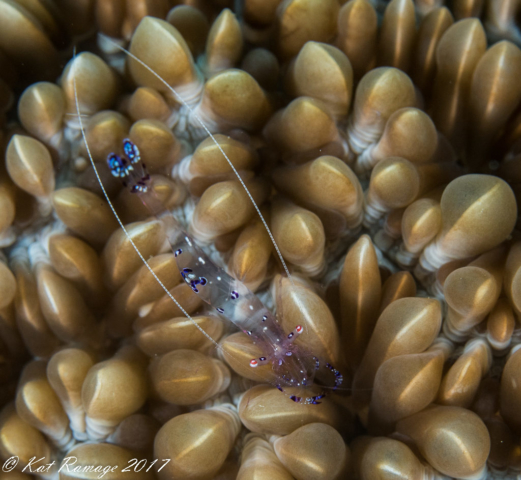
point(131, 151)
point(117, 165)
point(253, 363)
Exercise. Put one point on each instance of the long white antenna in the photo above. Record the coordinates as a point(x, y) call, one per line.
point(119, 220)
point(198, 118)
point(206, 129)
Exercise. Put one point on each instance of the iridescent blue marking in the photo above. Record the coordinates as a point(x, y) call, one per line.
point(203, 281)
point(131, 151)
point(220, 310)
point(264, 318)
point(178, 252)
point(118, 166)
point(121, 167)
point(235, 295)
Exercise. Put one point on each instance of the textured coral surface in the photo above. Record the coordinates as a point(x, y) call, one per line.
point(351, 173)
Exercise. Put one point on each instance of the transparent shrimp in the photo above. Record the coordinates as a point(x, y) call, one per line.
point(293, 364)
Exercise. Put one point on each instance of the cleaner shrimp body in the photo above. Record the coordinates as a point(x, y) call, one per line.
point(230, 298)
point(295, 367)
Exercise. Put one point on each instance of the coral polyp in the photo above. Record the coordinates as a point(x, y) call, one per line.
point(272, 239)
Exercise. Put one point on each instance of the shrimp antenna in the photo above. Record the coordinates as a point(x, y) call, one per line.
point(125, 231)
point(207, 130)
point(80, 121)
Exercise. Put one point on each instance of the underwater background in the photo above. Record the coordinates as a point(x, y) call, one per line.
point(260, 239)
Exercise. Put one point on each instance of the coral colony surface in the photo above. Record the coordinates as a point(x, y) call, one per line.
point(324, 198)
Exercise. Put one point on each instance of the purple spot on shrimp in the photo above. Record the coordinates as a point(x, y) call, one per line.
point(264, 318)
point(178, 252)
point(203, 281)
point(290, 335)
point(295, 398)
point(185, 272)
point(220, 310)
point(339, 378)
point(235, 295)
point(279, 387)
